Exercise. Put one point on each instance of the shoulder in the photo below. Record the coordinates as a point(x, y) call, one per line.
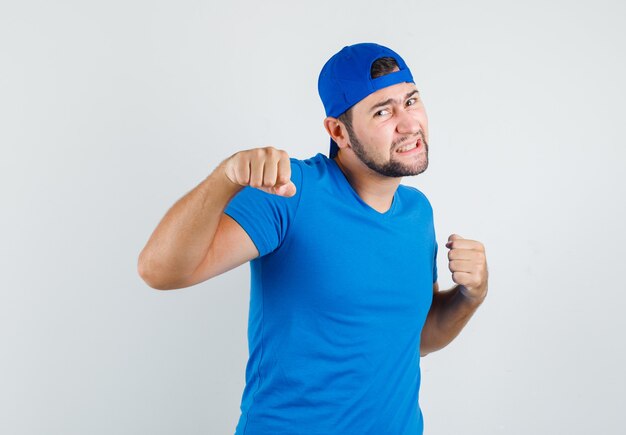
point(312, 163)
point(315, 167)
point(414, 195)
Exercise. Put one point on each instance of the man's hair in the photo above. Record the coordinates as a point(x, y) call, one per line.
point(381, 66)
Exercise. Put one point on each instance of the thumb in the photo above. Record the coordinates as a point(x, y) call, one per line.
point(452, 238)
point(287, 190)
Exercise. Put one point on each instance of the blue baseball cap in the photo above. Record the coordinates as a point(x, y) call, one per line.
point(346, 79)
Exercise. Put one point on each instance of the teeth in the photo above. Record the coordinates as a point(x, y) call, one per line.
point(406, 148)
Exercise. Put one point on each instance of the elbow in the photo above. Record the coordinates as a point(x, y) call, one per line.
point(424, 352)
point(157, 285)
point(427, 349)
point(149, 276)
point(150, 280)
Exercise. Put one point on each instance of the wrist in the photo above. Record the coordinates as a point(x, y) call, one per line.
point(220, 176)
point(217, 188)
point(473, 296)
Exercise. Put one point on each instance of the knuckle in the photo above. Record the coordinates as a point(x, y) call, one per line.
point(271, 152)
point(482, 259)
point(268, 151)
point(257, 153)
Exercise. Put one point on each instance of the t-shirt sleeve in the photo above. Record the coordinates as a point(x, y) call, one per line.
point(264, 216)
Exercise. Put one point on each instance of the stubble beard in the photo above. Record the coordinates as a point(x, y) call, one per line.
point(390, 168)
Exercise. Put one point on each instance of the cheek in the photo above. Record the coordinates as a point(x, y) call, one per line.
point(424, 124)
point(384, 140)
point(377, 138)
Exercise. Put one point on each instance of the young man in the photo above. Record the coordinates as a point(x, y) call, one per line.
point(344, 294)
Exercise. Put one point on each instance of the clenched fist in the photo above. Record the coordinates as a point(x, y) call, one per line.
point(468, 264)
point(267, 169)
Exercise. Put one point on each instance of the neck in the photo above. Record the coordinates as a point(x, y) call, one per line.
point(374, 189)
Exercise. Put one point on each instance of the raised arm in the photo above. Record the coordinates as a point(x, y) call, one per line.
point(452, 309)
point(195, 240)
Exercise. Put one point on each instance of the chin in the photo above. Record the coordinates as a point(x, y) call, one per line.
point(404, 170)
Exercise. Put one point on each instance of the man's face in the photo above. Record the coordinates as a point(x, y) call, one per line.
point(390, 131)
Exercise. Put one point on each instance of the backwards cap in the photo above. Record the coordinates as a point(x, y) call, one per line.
point(346, 79)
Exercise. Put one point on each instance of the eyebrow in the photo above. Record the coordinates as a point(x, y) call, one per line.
point(391, 100)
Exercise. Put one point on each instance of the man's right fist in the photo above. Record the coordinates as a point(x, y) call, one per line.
point(266, 169)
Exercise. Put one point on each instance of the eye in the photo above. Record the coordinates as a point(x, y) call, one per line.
point(411, 101)
point(382, 112)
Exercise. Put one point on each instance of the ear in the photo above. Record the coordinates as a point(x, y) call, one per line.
point(336, 130)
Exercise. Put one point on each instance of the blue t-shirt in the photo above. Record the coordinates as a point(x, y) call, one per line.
point(339, 296)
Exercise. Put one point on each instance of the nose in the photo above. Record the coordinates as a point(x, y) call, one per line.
point(407, 123)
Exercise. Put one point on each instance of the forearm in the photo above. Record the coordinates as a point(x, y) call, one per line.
point(448, 315)
point(183, 237)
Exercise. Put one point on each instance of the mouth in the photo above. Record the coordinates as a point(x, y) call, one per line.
point(410, 148)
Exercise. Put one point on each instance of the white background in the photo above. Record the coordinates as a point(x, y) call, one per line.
point(111, 111)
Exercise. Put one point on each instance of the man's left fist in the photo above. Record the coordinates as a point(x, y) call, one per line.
point(468, 264)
